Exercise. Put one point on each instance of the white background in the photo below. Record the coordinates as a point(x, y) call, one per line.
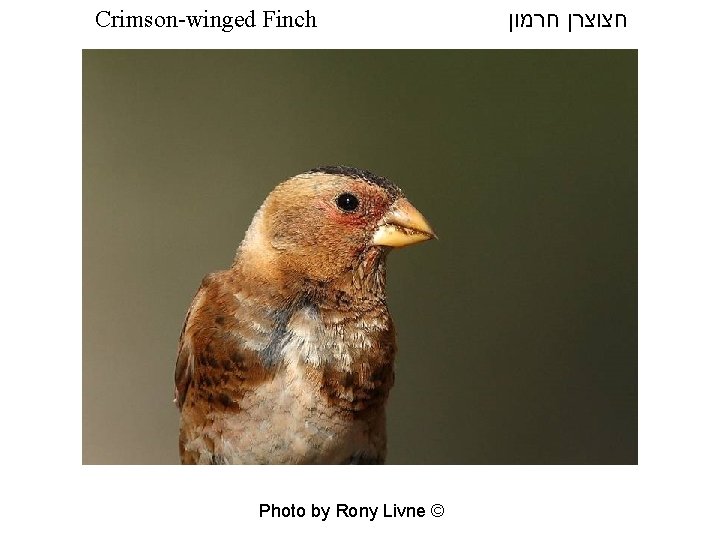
point(672, 493)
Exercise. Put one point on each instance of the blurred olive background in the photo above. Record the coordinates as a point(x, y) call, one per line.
point(517, 331)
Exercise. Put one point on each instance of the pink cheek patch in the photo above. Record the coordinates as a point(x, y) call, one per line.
point(335, 215)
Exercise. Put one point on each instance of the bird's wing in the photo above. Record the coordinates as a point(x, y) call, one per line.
point(185, 363)
point(213, 352)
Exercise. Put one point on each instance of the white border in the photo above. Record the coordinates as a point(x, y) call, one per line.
point(672, 493)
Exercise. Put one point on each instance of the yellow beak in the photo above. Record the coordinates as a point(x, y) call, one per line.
point(402, 225)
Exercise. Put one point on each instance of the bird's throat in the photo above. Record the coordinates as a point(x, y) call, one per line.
point(361, 287)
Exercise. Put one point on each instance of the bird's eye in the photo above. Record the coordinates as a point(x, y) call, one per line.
point(347, 202)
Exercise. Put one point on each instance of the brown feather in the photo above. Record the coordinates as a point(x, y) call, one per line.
point(287, 357)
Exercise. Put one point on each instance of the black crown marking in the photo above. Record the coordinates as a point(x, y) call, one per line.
point(360, 174)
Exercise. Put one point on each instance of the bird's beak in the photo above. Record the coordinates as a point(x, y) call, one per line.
point(402, 225)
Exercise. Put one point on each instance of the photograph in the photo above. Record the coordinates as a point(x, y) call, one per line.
point(402, 257)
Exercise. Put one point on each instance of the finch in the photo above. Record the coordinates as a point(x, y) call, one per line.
point(288, 356)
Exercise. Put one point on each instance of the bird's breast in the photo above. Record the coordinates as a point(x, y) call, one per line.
point(294, 419)
point(324, 398)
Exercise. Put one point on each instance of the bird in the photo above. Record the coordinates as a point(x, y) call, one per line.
point(287, 357)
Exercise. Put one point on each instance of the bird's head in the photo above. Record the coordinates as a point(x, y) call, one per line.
point(327, 222)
